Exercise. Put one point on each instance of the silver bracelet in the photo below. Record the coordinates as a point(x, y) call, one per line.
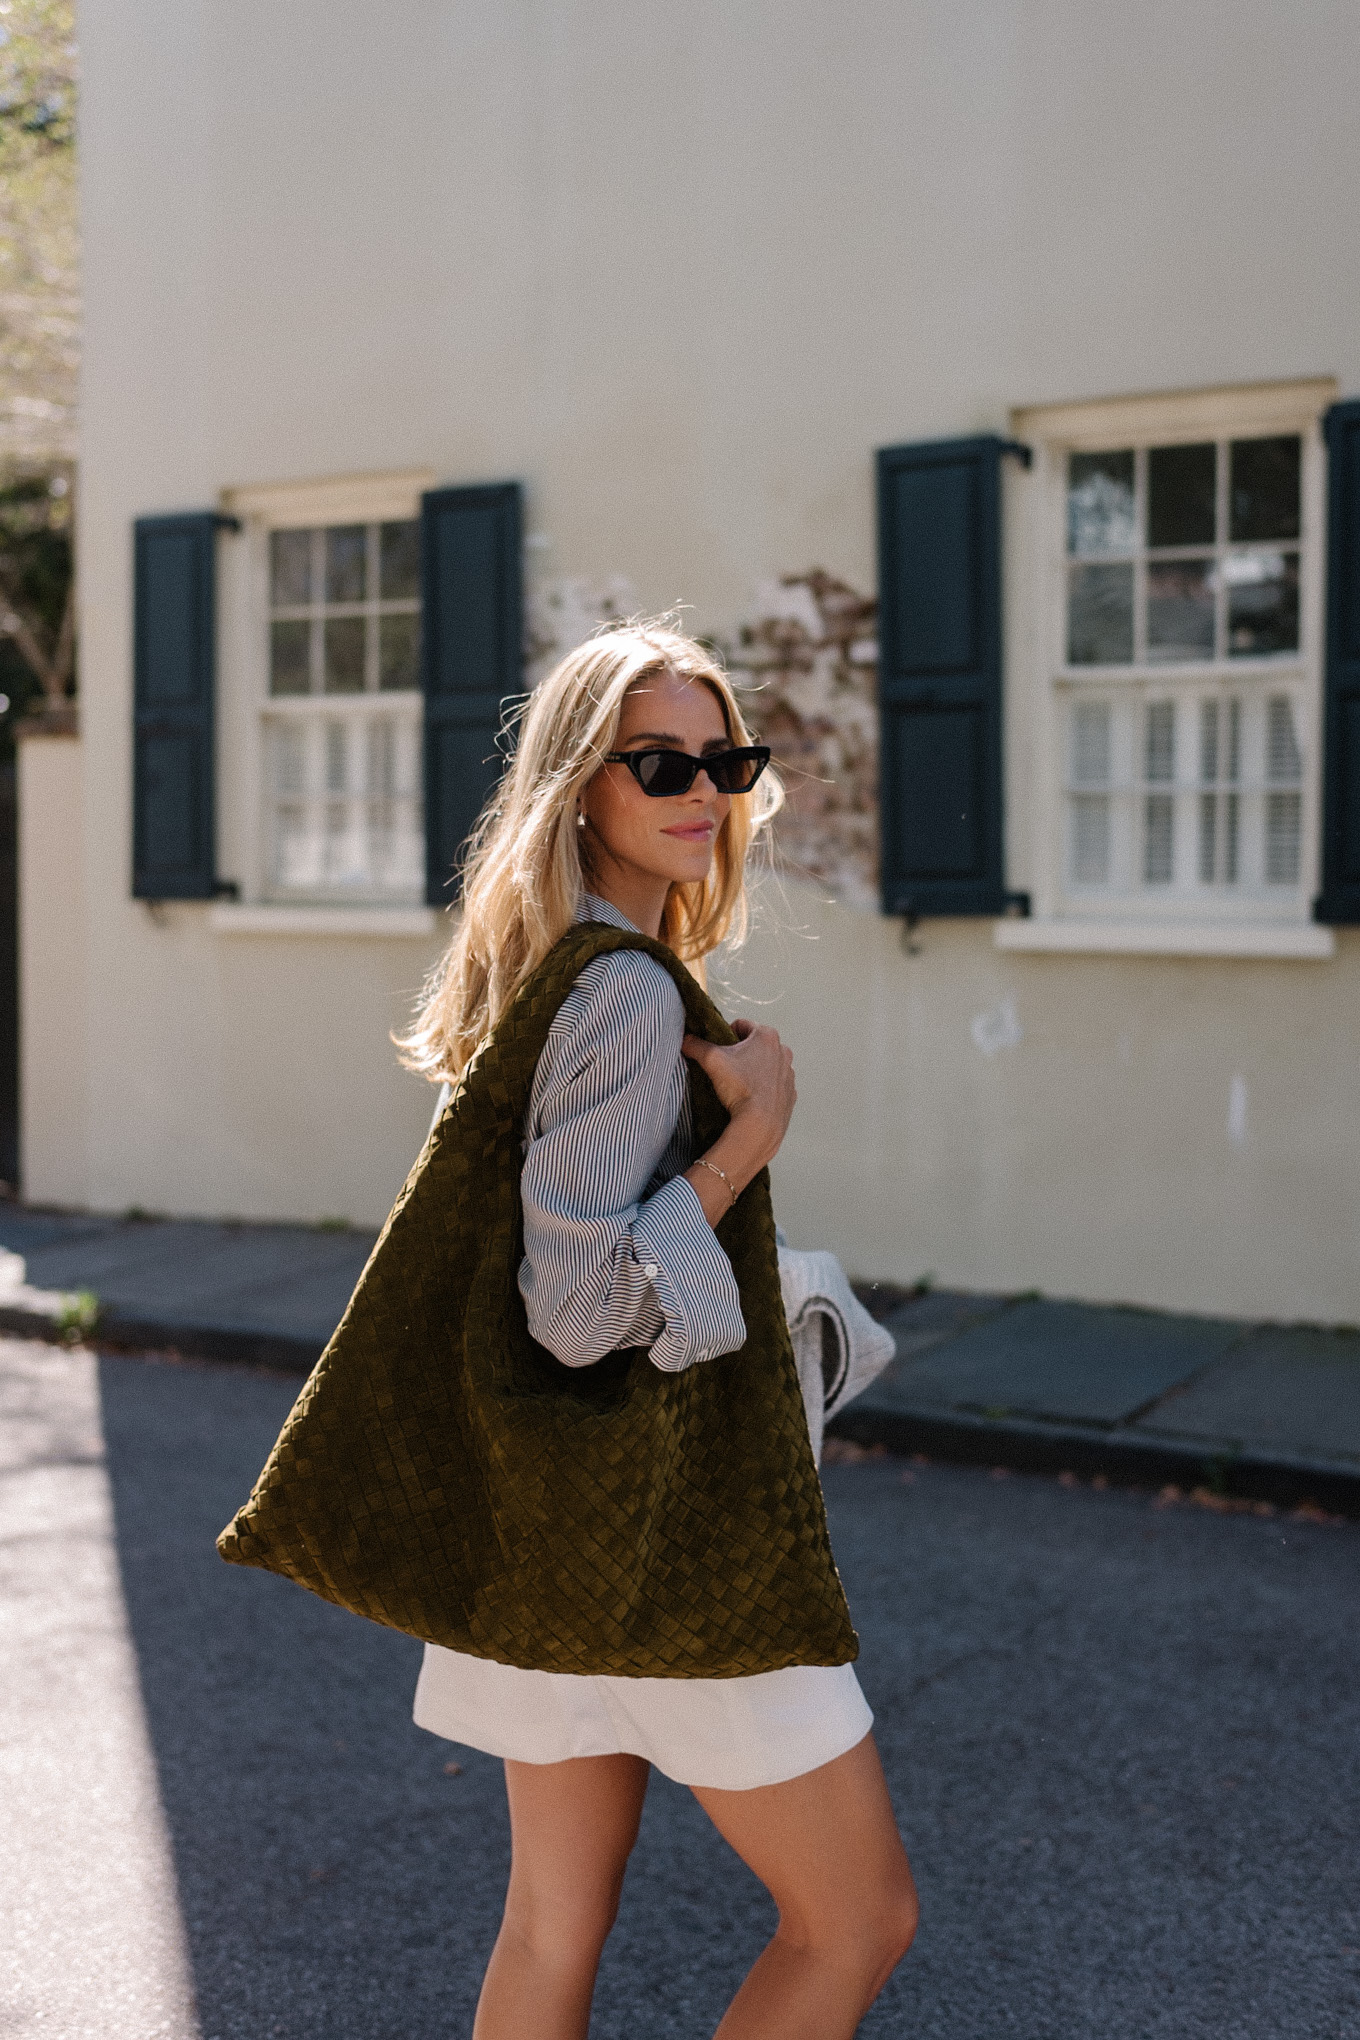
point(714, 1170)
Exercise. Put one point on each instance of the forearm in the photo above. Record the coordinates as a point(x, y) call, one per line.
point(741, 1151)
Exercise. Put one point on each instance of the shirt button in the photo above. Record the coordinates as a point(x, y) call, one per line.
point(651, 1271)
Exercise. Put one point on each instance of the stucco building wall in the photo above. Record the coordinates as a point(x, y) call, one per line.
point(681, 272)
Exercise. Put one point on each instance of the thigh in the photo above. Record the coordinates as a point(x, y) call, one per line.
point(572, 1829)
point(825, 1845)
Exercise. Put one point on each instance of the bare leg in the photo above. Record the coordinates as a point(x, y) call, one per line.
point(826, 1848)
point(572, 1827)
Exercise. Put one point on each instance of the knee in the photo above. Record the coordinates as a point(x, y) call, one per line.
point(873, 1942)
point(899, 1919)
point(559, 1928)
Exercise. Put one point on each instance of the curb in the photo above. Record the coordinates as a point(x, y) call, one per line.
point(1124, 1458)
point(118, 1334)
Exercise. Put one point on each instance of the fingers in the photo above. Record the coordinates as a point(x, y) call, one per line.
point(698, 1050)
point(741, 1028)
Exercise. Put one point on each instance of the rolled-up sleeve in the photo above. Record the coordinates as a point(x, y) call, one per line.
point(606, 1265)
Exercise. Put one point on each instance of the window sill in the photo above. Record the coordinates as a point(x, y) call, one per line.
point(230, 919)
point(1305, 942)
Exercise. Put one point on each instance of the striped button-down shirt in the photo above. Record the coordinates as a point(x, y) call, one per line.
point(617, 1251)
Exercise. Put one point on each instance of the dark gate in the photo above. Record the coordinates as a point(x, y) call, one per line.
point(9, 981)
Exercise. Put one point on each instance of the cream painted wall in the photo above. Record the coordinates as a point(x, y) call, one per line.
point(682, 270)
point(54, 1095)
point(1180, 1132)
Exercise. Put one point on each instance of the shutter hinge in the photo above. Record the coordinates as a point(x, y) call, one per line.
point(226, 889)
point(223, 522)
point(1017, 907)
point(1024, 454)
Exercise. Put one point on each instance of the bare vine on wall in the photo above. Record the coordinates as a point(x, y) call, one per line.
point(807, 666)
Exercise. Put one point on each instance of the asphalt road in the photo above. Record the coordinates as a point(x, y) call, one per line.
point(1122, 1740)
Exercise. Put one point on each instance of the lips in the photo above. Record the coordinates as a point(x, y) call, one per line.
point(691, 832)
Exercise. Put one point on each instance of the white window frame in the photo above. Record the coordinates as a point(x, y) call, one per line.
point(1040, 685)
point(245, 703)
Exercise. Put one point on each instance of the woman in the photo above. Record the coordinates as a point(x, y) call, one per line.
point(632, 802)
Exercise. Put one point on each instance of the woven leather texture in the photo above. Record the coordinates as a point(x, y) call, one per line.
point(444, 1474)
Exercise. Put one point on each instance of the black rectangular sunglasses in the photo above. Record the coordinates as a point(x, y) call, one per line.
point(663, 774)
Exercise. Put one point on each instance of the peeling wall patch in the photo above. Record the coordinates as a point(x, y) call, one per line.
point(807, 665)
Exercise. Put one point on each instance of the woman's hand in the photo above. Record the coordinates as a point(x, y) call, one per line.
point(755, 1081)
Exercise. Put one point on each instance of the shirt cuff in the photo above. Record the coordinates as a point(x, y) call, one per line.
point(691, 1276)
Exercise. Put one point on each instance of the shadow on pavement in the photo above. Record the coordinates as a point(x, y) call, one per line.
point(334, 1880)
point(1121, 1742)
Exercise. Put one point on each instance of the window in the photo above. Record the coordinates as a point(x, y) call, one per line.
point(342, 810)
point(1181, 674)
point(1184, 556)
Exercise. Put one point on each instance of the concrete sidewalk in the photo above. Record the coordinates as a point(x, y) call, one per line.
point(1257, 1411)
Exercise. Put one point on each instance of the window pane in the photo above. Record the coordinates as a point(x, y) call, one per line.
point(335, 757)
point(1091, 839)
point(1180, 612)
point(399, 651)
point(1157, 838)
point(1232, 809)
point(1181, 495)
point(346, 562)
point(1160, 749)
point(1208, 742)
point(1091, 743)
point(1208, 836)
point(1100, 516)
point(1282, 749)
point(290, 568)
point(1263, 488)
point(297, 851)
point(344, 655)
point(399, 549)
point(289, 662)
point(290, 753)
point(1100, 616)
point(1283, 815)
point(1263, 603)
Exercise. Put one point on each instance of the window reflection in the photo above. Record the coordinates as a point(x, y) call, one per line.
point(1263, 603)
point(1100, 504)
point(1180, 610)
point(1100, 616)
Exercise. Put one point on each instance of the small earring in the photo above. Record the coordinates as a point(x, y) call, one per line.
point(580, 819)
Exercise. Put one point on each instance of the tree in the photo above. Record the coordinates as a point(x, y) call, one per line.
point(39, 245)
point(39, 349)
point(37, 588)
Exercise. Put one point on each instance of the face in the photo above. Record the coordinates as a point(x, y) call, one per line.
point(633, 839)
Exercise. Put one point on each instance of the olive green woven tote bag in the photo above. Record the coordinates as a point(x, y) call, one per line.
point(444, 1474)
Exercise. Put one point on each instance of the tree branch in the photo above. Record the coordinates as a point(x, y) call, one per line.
point(15, 625)
point(63, 659)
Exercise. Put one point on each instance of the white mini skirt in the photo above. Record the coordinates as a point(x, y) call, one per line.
point(730, 1734)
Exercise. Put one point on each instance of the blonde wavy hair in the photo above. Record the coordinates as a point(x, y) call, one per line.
point(523, 876)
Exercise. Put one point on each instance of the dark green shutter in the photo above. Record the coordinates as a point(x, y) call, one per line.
point(939, 537)
point(473, 659)
point(174, 661)
point(1339, 900)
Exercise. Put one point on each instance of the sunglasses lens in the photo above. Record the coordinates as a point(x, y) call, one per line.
point(731, 773)
point(665, 772)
